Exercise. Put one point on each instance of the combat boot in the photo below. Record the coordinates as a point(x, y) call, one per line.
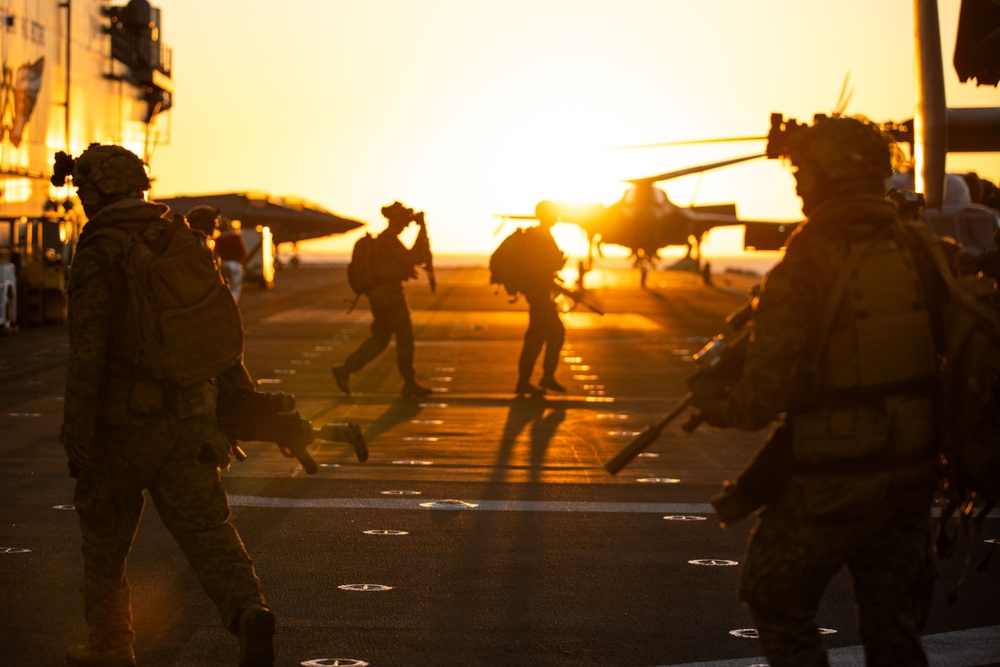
point(357, 439)
point(549, 382)
point(343, 378)
point(256, 637)
point(414, 388)
point(525, 388)
point(86, 655)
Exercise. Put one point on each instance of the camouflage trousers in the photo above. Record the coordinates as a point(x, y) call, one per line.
point(790, 559)
point(176, 461)
point(390, 317)
point(545, 330)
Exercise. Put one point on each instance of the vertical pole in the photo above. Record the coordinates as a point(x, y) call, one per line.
point(931, 118)
point(67, 5)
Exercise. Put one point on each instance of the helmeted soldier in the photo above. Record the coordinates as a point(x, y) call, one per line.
point(225, 241)
point(843, 353)
point(394, 264)
point(205, 219)
point(542, 258)
point(125, 432)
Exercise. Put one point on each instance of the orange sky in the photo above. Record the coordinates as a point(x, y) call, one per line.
point(466, 109)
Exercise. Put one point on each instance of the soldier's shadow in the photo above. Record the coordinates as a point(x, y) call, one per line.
point(399, 411)
point(541, 418)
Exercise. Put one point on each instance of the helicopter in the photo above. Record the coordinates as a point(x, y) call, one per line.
point(645, 221)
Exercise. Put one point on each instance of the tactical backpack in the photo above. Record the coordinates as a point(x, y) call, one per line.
point(361, 271)
point(970, 392)
point(189, 327)
point(507, 263)
point(970, 385)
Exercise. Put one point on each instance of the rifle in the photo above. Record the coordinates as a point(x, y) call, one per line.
point(574, 295)
point(271, 417)
point(720, 360)
point(423, 243)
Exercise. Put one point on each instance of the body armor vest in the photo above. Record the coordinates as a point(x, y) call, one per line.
point(881, 337)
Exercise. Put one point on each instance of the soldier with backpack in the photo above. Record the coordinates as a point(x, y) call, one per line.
point(155, 338)
point(526, 263)
point(843, 356)
point(379, 267)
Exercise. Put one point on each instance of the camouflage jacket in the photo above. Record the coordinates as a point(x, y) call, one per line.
point(791, 305)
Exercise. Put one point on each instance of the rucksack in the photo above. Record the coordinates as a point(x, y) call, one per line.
point(970, 391)
point(361, 271)
point(508, 261)
point(189, 327)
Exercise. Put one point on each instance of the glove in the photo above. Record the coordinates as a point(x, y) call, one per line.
point(714, 412)
point(710, 396)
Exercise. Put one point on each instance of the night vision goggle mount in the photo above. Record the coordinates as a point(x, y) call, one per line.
point(780, 135)
point(784, 134)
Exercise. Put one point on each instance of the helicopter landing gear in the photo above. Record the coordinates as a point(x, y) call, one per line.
point(644, 262)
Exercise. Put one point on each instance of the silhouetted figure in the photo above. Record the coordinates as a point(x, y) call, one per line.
point(225, 242)
point(706, 274)
point(843, 351)
point(232, 251)
point(130, 429)
point(545, 330)
point(394, 264)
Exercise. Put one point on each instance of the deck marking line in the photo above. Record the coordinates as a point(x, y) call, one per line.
point(495, 505)
point(962, 648)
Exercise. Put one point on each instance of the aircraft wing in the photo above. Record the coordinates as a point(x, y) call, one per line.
point(767, 235)
point(759, 234)
point(291, 220)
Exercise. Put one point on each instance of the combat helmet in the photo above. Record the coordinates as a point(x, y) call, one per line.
point(546, 210)
point(396, 211)
point(204, 218)
point(113, 170)
point(839, 148)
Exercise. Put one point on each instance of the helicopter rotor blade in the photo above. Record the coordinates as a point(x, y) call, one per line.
point(694, 170)
point(688, 142)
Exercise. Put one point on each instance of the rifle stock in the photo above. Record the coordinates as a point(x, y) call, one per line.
point(645, 438)
point(269, 417)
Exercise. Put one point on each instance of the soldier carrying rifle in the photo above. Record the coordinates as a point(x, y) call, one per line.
point(526, 263)
point(379, 267)
point(155, 340)
point(842, 354)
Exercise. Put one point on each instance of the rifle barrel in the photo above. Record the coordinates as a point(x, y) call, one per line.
point(645, 438)
point(575, 296)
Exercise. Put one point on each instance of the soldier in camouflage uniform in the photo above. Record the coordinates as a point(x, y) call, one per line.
point(394, 265)
point(856, 400)
point(545, 330)
point(172, 448)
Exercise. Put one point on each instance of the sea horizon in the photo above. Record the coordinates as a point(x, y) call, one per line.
point(758, 263)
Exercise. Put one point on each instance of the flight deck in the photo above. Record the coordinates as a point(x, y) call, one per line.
point(483, 530)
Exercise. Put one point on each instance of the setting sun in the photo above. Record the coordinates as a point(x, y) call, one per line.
point(472, 110)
